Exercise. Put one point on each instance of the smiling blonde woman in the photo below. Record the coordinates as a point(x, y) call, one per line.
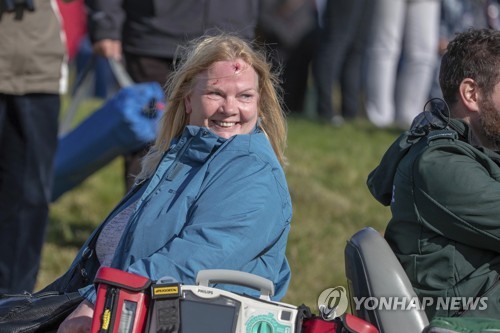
point(212, 193)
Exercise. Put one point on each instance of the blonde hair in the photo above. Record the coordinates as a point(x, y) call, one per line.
point(199, 55)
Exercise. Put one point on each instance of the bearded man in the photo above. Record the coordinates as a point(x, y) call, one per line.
point(442, 181)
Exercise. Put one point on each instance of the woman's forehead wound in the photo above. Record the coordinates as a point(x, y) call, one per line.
point(234, 67)
point(221, 70)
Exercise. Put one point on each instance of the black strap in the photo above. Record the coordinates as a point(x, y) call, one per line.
point(165, 314)
point(88, 253)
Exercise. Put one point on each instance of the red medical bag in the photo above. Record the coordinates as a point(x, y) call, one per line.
point(346, 324)
point(122, 302)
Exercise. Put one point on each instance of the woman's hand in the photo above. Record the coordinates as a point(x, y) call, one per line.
point(80, 320)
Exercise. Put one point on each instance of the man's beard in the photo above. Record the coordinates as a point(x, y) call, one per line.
point(490, 122)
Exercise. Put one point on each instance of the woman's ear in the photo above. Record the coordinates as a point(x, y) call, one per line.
point(469, 94)
point(187, 104)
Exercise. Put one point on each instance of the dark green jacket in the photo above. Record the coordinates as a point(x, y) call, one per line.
point(445, 228)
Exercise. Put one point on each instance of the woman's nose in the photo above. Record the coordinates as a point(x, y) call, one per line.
point(229, 106)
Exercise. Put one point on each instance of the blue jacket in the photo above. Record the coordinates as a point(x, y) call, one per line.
point(212, 203)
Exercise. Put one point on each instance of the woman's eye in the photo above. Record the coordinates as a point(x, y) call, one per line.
point(214, 94)
point(246, 96)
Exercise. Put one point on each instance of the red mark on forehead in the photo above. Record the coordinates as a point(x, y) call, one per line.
point(236, 66)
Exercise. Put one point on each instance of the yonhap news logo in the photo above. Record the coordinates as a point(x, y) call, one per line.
point(410, 303)
point(333, 302)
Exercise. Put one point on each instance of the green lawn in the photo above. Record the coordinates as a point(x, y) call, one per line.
point(327, 171)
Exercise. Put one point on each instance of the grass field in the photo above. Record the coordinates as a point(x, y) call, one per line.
point(327, 172)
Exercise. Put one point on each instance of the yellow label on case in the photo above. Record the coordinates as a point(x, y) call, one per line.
point(170, 290)
point(106, 316)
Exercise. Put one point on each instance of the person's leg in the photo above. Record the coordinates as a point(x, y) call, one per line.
point(296, 72)
point(417, 68)
point(435, 89)
point(337, 33)
point(351, 79)
point(29, 126)
point(143, 69)
point(383, 56)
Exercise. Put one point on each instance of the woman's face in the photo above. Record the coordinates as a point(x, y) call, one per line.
point(225, 98)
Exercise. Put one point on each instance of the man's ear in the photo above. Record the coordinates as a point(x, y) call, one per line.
point(469, 94)
point(187, 104)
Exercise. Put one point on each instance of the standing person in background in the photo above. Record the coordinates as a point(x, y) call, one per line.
point(147, 34)
point(32, 77)
point(401, 59)
point(341, 57)
point(290, 28)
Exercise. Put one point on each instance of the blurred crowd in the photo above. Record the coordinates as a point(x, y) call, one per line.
point(346, 59)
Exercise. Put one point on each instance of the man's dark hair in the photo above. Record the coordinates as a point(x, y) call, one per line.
point(473, 54)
